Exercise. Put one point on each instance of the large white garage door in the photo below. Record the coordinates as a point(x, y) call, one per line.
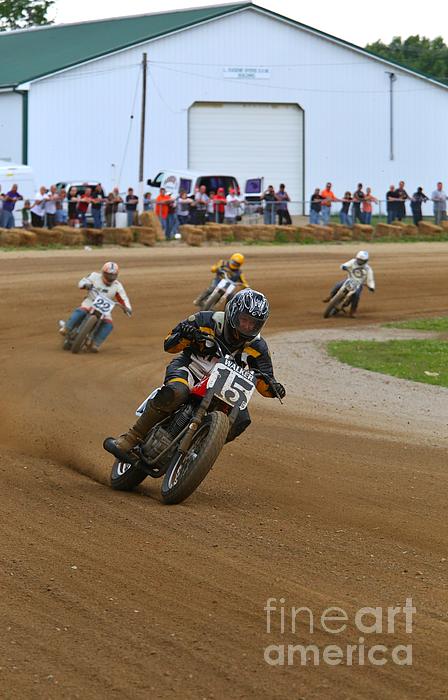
point(248, 140)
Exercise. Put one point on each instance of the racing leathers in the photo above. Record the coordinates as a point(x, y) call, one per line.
point(360, 273)
point(195, 359)
point(222, 269)
point(114, 291)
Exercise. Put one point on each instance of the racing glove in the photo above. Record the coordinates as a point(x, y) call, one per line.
point(128, 312)
point(88, 285)
point(371, 289)
point(189, 332)
point(278, 389)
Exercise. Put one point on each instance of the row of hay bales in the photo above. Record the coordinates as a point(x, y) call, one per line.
point(147, 234)
point(198, 235)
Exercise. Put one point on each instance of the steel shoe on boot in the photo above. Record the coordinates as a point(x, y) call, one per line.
point(121, 446)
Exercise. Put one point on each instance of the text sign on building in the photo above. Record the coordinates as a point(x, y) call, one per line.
point(247, 73)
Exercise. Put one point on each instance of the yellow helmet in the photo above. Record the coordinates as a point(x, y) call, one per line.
point(236, 260)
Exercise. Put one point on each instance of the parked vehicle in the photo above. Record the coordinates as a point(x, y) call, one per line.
point(183, 447)
point(82, 337)
point(190, 180)
point(342, 299)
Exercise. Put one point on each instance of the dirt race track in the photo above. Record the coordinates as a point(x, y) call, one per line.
point(108, 595)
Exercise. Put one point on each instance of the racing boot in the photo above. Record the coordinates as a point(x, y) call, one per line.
point(167, 399)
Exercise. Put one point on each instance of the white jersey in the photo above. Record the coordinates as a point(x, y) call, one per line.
point(361, 273)
point(115, 291)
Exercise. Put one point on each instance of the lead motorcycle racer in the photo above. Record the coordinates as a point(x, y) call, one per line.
point(238, 329)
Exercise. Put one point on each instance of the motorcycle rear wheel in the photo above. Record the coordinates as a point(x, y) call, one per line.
point(125, 476)
point(211, 301)
point(85, 329)
point(186, 472)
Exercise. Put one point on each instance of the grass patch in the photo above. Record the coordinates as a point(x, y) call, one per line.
point(407, 359)
point(438, 324)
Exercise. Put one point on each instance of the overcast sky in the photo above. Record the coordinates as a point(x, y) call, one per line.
point(360, 23)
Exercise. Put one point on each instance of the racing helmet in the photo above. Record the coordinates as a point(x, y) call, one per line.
point(110, 272)
point(245, 316)
point(236, 260)
point(362, 257)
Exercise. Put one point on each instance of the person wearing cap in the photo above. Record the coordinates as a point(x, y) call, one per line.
point(219, 202)
point(231, 269)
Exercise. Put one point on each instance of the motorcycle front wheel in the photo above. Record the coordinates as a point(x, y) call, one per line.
point(332, 309)
point(125, 476)
point(85, 329)
point(187, 471)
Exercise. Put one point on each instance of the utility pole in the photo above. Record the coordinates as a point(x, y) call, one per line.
point(392, 79)
point(142, 133)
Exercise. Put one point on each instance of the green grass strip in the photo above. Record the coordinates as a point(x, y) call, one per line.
point(419, 360)
point(438, 324)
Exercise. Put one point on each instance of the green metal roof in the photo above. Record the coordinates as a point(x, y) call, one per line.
point(32, 53)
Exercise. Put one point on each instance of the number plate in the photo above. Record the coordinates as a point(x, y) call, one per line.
point(231, 383)
point(103, 304)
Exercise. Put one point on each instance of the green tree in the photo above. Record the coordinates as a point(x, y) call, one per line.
point(425, 55)
point(18, 14)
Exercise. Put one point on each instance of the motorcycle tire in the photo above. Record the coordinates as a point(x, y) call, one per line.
point(85, 329)
point(125, 476)
point(331, 309)
point(186, 472)
point(211, 301)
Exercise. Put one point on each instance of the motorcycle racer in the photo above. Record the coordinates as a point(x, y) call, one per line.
point(238, 329)
point(107, 284)
point(231, 269)
point(358, 269)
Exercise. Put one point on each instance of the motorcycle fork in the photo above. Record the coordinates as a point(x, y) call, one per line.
point(195, 422)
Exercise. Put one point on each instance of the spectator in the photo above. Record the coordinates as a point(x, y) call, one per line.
point(401, 204)
point(98, 198)
point(162, 209)
point(417, 199)
point(328, 197)
point(219, 202)
point(282, 207)
point(131, 206)
point(83, 205)
point(344, 216)
point(358, 198)
point(232, 207)
point(392, 197)
point(38, 209)
point(201, 199)
point(26, 214)
point(270, 198)
point(172, 224)
point(439, 199)
point(50, 206)
point(113, 201)
point(147, 202)
point(211, 207)
point(73, 199)
point(9, 203)
point(61, 214)
point(183, 208)
point(366, 206)
point(316, 207)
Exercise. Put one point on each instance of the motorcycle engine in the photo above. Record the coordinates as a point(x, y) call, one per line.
point(158, 441)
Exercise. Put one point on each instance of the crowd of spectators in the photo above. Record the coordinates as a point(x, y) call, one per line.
point(359, 205)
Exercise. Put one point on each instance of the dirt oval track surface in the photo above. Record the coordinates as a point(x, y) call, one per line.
point(108, 595)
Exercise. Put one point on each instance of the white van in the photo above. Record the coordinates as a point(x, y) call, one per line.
point(189, 180)
point(22, 176)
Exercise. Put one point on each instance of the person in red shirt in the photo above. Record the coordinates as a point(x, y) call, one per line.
point(162, 209)
point(219, 201)
point(83, 205)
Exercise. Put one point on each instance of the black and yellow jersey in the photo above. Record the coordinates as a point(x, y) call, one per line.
point(222, 269)
point(255, 354)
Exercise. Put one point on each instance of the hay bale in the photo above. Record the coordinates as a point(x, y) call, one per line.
point(93, 236)
point(70, 236)
point(245, 233)
point(444, 226)
point(388, 231)
point(148, 219)
point(117, 236)
point(411, 231)
point(15, 237)
point(195, 239)
point(264, 233)
point(362, 232)
point(341, 232)
point(47, 237)
point(187, 229)
point(429, 230)
point(147, 236)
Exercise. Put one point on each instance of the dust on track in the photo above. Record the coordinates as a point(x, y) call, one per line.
point(168, 602)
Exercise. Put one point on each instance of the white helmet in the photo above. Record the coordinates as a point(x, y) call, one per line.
point(362, 257)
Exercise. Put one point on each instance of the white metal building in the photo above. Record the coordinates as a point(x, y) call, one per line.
point(231, 88)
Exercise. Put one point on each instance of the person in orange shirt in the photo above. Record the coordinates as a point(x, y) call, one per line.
point(328, 196)
point(162, 210)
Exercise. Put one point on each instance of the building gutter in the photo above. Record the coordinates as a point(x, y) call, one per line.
point(24, 93)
